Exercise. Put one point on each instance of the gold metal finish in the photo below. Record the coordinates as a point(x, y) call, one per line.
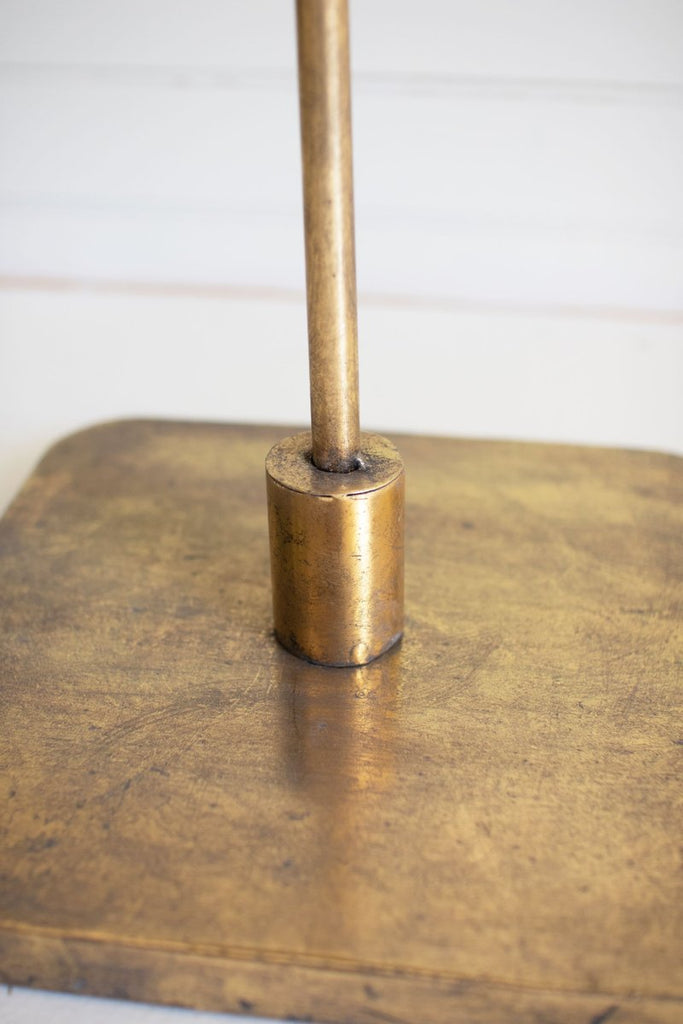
point(335, 504)
point(336, 542)
point(325, 103)
point(481, 826)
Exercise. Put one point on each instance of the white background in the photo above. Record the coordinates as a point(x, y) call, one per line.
point(519, 227)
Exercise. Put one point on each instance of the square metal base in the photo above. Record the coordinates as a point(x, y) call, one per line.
point(483, 825)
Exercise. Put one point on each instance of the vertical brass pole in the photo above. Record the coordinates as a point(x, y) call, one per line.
point(325, 102)
point(335, 519)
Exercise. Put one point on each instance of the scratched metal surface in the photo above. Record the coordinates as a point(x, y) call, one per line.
point(481, 824)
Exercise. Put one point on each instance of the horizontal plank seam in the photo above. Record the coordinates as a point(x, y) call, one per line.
point(418, 84)
point(261, 293)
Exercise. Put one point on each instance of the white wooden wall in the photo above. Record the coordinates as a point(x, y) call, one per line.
point(519, 217)
point(519, 192)
point(526, 153)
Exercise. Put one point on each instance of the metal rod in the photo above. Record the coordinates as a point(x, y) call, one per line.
point(325, 103)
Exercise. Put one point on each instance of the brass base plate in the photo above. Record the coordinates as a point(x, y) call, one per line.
point(484, 825)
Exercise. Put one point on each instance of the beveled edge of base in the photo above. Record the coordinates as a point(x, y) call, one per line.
point(287, 988)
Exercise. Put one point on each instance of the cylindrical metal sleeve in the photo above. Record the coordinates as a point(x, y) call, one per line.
point(336, 544)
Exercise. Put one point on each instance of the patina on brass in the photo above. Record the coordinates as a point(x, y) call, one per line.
point(337, 552)
point(481, 826)
point(325, 105)
point(335, 499)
